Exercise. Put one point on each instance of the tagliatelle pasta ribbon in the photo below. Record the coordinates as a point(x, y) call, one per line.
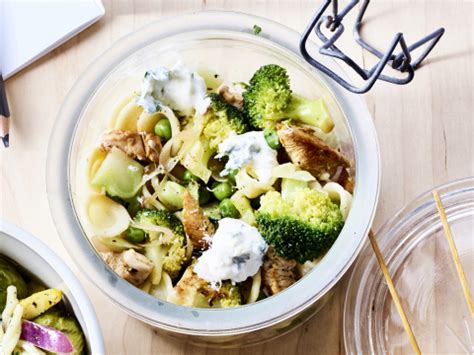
point(164, 289)
point(255, 289)
point(250, 186)
point(337, 192)
point(290, 171)
point(11, 322)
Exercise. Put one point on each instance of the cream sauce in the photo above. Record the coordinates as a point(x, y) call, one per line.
point(249, 149)
point(180, 88)
point(236, 253)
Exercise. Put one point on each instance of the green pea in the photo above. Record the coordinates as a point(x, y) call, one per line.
point(204, 195)
point(232, 175)
point(272, 139)
point(189, 176)
point(163, 129)
point(134, 235)
point(228, 209)
point(222, 190)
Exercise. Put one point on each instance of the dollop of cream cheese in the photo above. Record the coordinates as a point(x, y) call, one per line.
point(249, 149)
point(180, 88)
point(236, 253)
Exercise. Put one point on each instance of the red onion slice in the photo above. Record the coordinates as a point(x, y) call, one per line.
point(46, 338)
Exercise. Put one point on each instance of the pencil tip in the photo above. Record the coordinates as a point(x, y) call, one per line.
point(6, 141)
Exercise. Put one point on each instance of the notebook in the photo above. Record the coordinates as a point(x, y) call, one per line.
point(30, 29)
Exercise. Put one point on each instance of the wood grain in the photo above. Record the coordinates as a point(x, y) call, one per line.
point(425, 133)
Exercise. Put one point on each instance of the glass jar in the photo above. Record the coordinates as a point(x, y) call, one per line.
point(222, 42)
point(418, 257)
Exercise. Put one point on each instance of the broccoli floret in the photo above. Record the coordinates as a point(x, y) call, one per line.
point(161, 218)
point(228, 296)
point(174, 260)
point(268, 99)
point(220, 119)
point(302, 227)
point(175, 253)
point(193, 291)
point(267, 95)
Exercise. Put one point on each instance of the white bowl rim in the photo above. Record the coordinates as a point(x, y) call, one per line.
point(93, 331)
point(215, 322)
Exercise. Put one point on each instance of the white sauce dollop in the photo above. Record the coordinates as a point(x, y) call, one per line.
point(249, 149)
point(236, 253)
point(179, 88)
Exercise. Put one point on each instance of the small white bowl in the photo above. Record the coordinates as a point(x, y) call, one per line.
point(36, 259)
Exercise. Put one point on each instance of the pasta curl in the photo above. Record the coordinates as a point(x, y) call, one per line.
point(106, 217)
point(128, 116)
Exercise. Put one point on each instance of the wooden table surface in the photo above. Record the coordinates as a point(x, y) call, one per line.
point(425, 133)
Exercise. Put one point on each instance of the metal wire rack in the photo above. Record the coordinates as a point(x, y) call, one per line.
point(402, 62)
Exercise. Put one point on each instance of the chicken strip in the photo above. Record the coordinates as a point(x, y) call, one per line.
point(129, 265)
point(312, 154)
point(152, 146)
point(196, 225)
point(233, 98)
point(277, 273)
point(142, 146)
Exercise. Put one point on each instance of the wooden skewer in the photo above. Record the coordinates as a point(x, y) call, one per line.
point(394, 293)
point(454, 252)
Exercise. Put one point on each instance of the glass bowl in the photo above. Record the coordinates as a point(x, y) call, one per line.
point(418, 258)
point(222, 42)
point(37, 260)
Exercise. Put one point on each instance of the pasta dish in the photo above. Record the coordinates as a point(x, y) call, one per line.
point(208, 193)
point(34, 319)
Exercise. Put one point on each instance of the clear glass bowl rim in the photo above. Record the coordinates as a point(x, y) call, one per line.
point(211, 322)
point(408, 214)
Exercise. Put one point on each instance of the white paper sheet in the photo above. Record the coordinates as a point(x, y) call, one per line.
point(30, 29)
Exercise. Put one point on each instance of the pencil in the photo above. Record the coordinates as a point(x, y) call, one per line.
point(4, 115)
